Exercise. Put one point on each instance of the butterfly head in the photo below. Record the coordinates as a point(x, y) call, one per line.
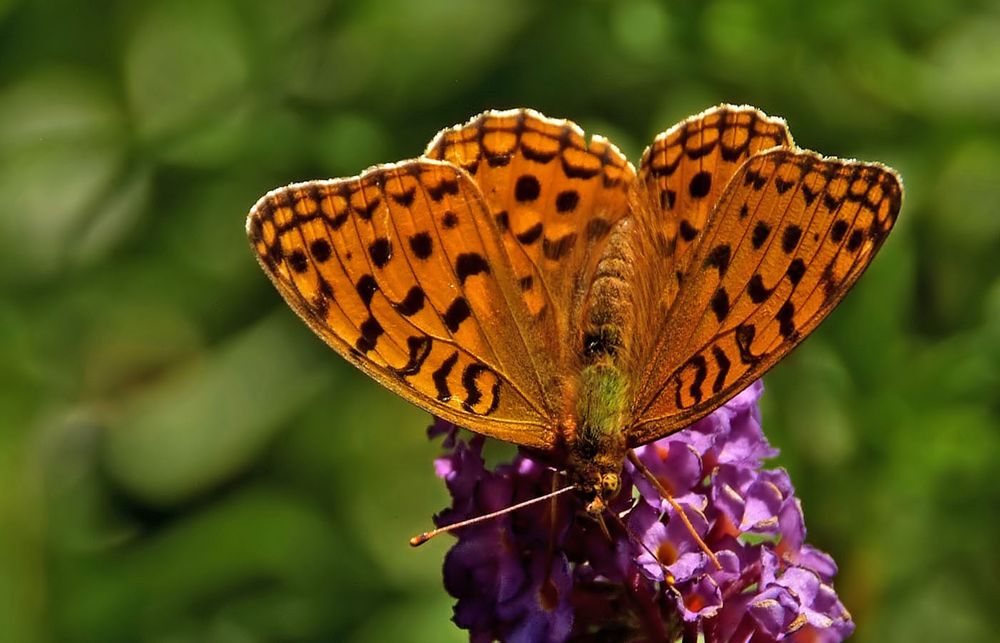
point(595, 471)
point(601, 493)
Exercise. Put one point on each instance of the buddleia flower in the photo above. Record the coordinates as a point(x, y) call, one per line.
point(549, 572)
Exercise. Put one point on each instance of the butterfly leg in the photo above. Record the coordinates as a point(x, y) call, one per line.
point(637, 463)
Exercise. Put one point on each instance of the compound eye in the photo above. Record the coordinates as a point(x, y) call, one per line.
point(610, 483)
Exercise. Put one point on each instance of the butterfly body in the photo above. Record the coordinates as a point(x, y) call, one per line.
point(532, 286)
point(597, 447)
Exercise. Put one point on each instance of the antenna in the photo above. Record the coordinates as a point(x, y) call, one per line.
point(416, 541)
point(634, 459)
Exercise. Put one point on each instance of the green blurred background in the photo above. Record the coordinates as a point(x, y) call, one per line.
point(181, 460)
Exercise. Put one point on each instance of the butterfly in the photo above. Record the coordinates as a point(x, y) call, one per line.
point(530, 285)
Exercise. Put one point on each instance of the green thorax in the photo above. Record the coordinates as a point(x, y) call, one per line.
point(601, 402)
point(598, 445)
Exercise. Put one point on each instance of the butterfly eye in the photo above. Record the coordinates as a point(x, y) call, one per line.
point(610, 483)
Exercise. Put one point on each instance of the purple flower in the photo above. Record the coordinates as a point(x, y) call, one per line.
point(548, 572)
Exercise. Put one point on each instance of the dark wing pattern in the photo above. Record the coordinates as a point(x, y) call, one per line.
point(790, 235)
point(686, 169)
point(402, 271)
point(555, 197)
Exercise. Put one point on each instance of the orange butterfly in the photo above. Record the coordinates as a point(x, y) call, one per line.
point(529, 285)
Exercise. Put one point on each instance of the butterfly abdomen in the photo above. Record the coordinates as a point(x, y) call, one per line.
point(608, 317)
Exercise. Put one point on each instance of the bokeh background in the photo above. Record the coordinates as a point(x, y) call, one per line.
point(182, 461)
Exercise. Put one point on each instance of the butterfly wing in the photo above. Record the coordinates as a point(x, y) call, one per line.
point(402, 272)
point(555, 196)
point(788, 238)
point(682, 175)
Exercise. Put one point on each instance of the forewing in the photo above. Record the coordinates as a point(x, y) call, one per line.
point(791, 234)
point(687, 168)
point(402, 272)
point(555, 197)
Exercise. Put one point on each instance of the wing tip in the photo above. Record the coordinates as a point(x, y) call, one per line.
point(721, 107)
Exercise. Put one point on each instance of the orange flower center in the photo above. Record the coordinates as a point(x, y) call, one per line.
point(694, 602)
point(666, 553)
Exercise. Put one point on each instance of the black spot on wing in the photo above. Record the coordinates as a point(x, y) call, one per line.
point(446, 186)
point(718, 258)
point(368, 209)
point(422, 245)
point(854, 241)
point(320, 249)
point(412, 304)
point(723, 364)
point(781, 185)
point(440, 377)
point(469, 264)
point(786, 321)
point(366, 287)
point(795, 270)
point(531, 235)
point(756, 289)
point(701, 184)
point(419, 348)
point(556, 249)
point(759, 235)
point(404, 198)
point(458, 311)
point(790, 238)
point(808, 194)
point(688, 231)
point(838, 230)
point(380, 251)
point(297, 260)
point(720, 304)
point(325, 288)
point(567, 200)
point(744, 338)
point(700, 371)
point(755, 179)
point(499, 160)
point(371, 330)
point(473, 394)
point(527, 188)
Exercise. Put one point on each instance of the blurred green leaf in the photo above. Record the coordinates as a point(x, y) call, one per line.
point(185, 65)
point(206, 422)
point(62, 148)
